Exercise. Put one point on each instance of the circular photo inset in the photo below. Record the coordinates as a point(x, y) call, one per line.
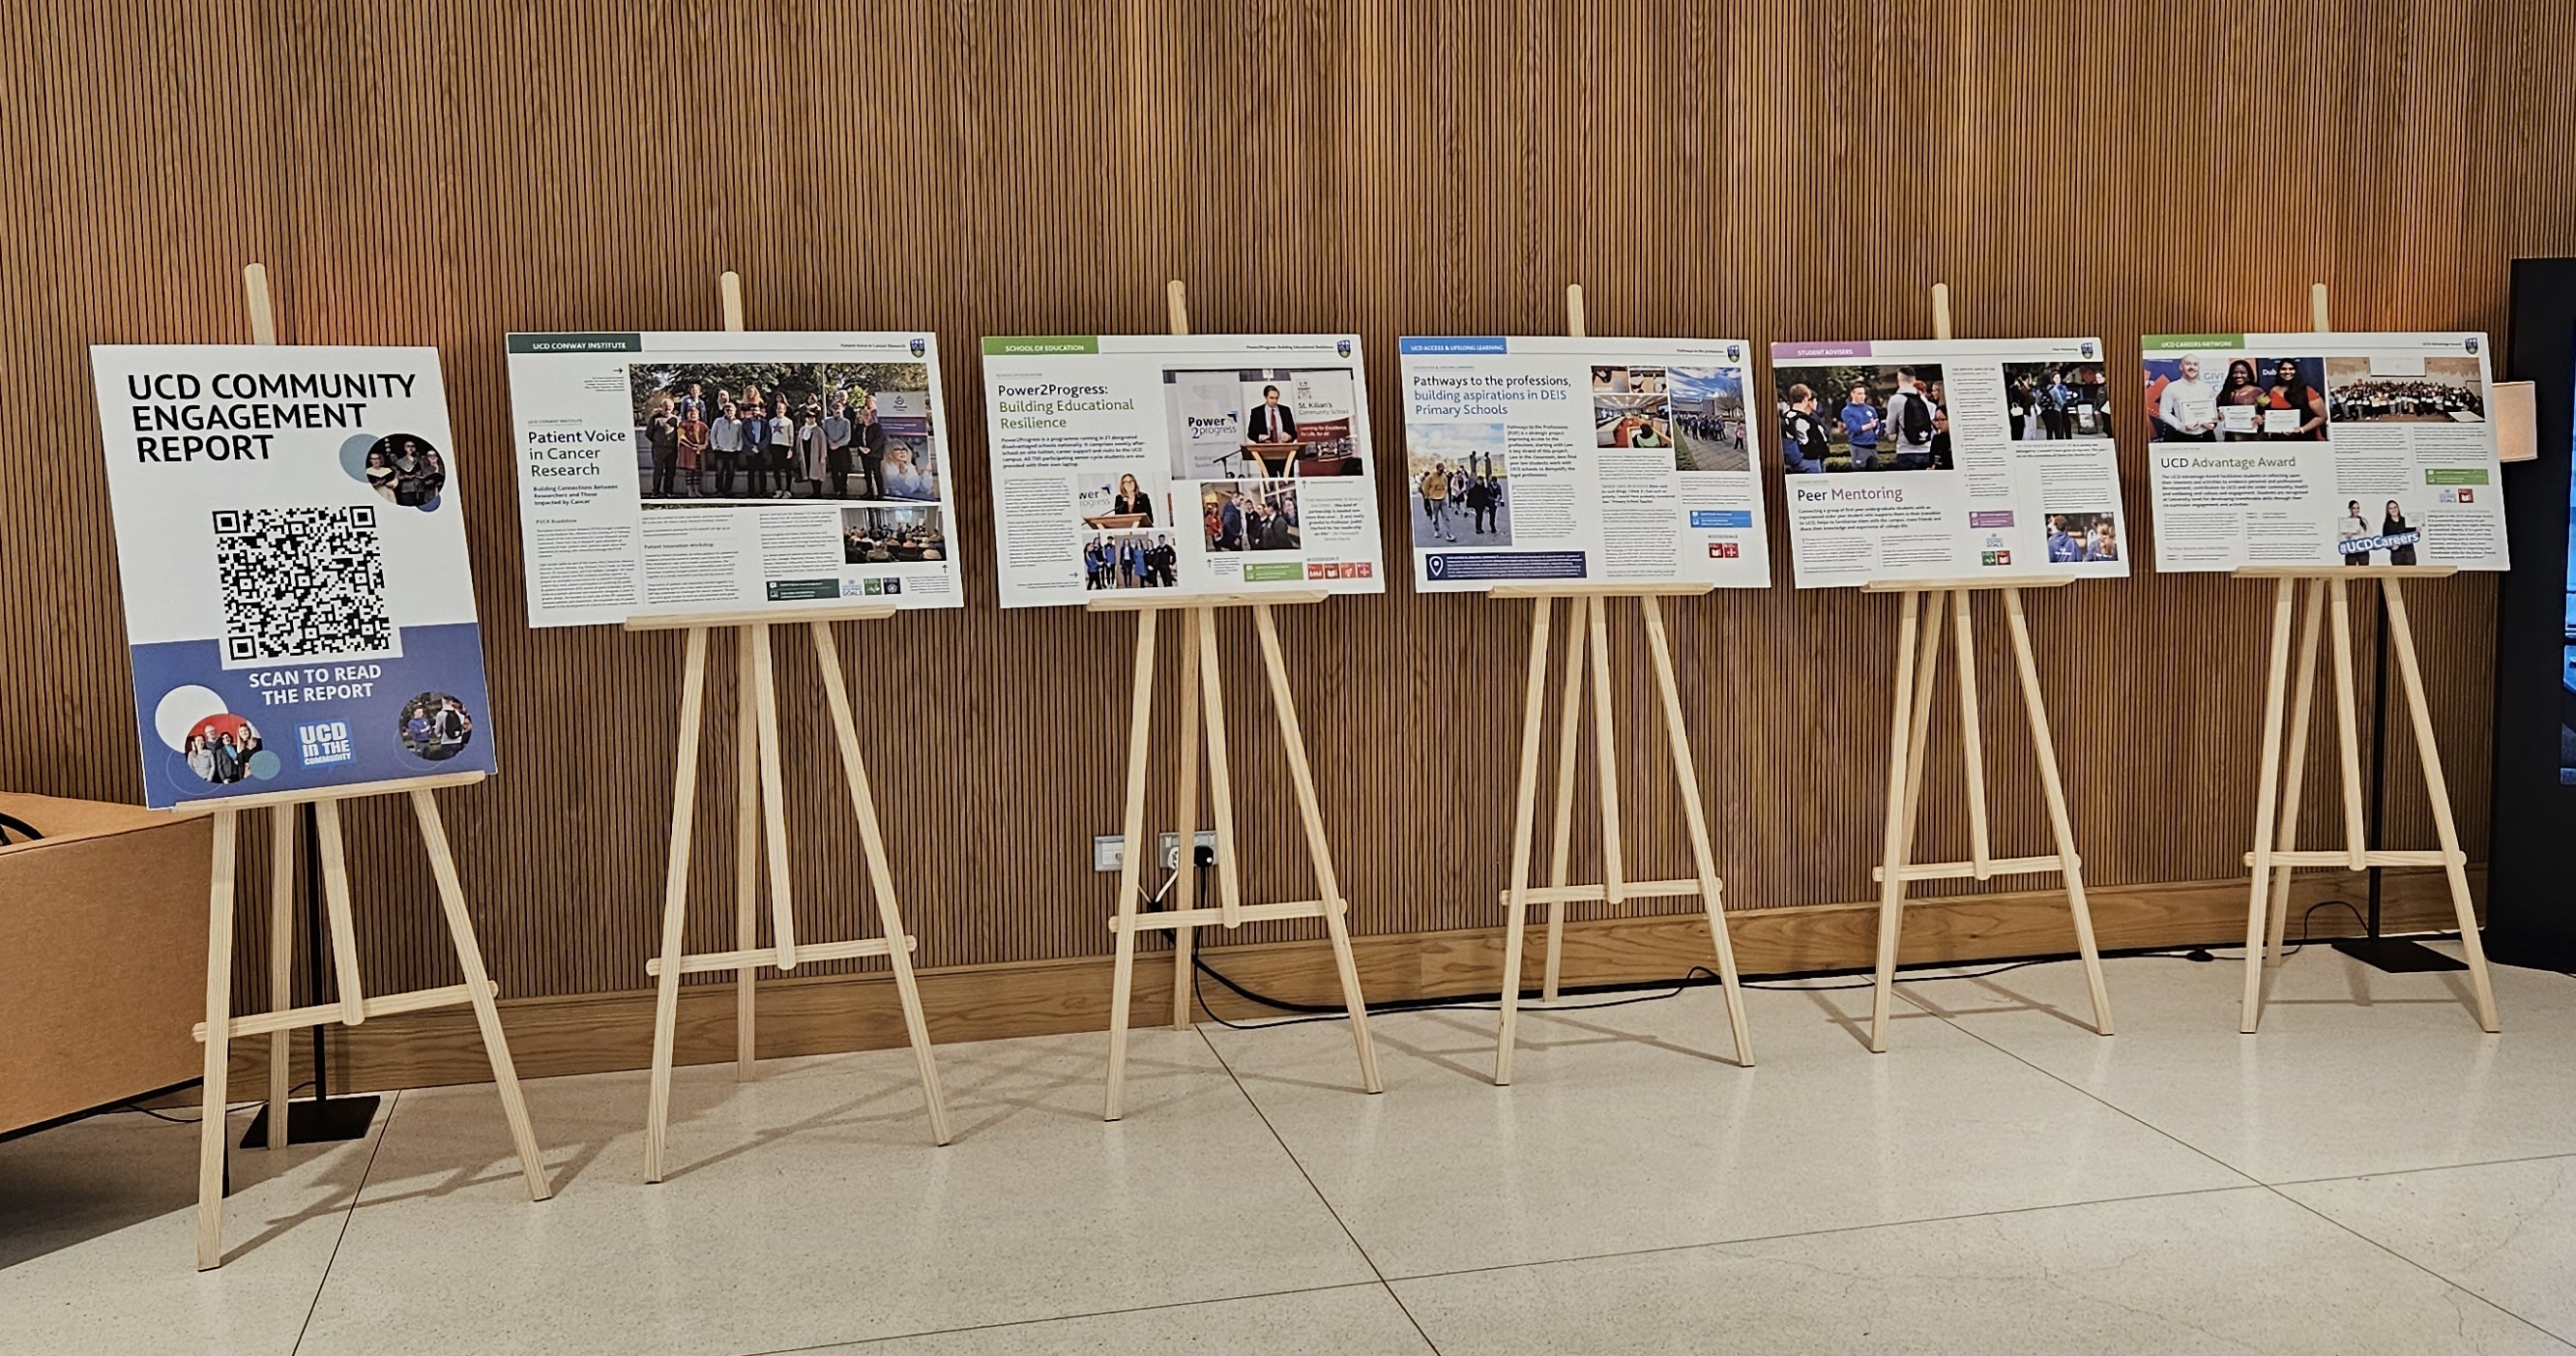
point(220, 749)
point(406, 469)
point(434, 726)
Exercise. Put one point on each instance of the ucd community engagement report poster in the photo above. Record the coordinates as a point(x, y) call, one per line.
point(2323, 449)
point(1948, 459)
point(727, 472)
point(292, 552)
point(1601, 460)
point(1192, 464)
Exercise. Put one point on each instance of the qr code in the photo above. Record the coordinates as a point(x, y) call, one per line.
point(301, 583)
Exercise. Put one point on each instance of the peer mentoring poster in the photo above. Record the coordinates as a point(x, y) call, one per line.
point(728, 472)
point(1188, 465)
point(1601, 461)
point(2323, 449)
point(290, 539)
point(1948, 459)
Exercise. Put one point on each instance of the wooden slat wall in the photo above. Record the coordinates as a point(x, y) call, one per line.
point(444, 173)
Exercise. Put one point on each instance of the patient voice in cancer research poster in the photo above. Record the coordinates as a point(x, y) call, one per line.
point(291, 543)
point(1604, 461)
point(1187, 464)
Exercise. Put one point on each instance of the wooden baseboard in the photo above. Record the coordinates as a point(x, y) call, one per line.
point(592, 1033)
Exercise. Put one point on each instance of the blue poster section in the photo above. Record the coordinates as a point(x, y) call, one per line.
point(209, 733)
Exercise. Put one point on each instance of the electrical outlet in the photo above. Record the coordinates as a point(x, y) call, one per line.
point(1168, 846)
point(1108, 852)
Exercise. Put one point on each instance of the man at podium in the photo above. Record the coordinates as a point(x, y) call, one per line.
point(1270, 434)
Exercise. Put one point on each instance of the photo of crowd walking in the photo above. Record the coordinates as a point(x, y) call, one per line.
point(1460, 486)
point(1846, 417)
point(735, 432)
point(1709, 429)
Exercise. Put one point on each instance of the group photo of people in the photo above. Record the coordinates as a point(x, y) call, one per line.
point(2047, 401)
point(2081, 538)
point(2446, 391)
point(1460, 486)
point(435, 726)
point(1130, 560)
point(2254, 399)
point(1250, 515)
point(1850, 417)
point(885, 536)
point(1708, 419)
point(765, 431)
point(2385, 523)
point(220, 747)
point(405, 470)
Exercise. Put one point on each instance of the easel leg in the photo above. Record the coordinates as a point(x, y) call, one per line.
point(1568, 742)
point(1283, 704)
point(1211, 696)
point(1524, 828)
point(675, 901)
point(487, 1015)
point(1972, 740)
point(2356, 833)
point(2454, 862)
point(1122, 984)
point(281, 966)
point(1605, 752)
point(1927, 662)
point(773, 800)
point(2266, 807)
point(916, 1025)
point(2061, 822)
point(1891, 883)
point(211, 1129)
point(746, 856)
point(1695, 817)
point(335, 901)
point(2304, 685)
point(1185, 876)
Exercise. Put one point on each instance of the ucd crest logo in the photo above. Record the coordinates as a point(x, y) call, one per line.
point(1735, 353)
point(2470, 343)
point(2087, 347)
point(1342, 347)
point(918, 347)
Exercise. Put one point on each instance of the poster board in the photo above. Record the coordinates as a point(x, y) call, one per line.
point(623, 515)
point(1948, 459)
point(2323, 449)
point(1185, 465)
point(1595, 461)
point(290, 541)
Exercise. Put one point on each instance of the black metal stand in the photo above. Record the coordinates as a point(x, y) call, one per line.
point(2395, 955)
point(323, 1119)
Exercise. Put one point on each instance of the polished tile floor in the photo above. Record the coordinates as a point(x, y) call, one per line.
point(2371, 1174)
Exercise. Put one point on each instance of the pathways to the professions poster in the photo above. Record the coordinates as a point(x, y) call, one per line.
point(1182, 465)
point(1948, 459)
point(728, 472)
point(2323, 449)
point(1598, 461)
point(291, 543)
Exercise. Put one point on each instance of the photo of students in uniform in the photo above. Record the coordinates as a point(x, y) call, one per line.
point(1114, 498)
point(892, 535)
point(2049, 401)
point(405, 470)
point(1262, 423)
point(1458, 484)
point(2082, 538)
point(1708, 419)
point(738, 432)
point(220, 747)
point(1130, 560)
point(434, 726)
point(1250, 515)
point(2415, 391)
point(1847, 417)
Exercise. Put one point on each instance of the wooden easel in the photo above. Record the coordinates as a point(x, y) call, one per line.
point(1204, 695)
point(760, 817)
point(2275, 857)
point(354, 1007)
point(1910, 725)
point(1590, 610)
